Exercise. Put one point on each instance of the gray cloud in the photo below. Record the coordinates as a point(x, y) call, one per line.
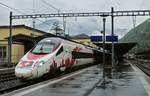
point(26, 6)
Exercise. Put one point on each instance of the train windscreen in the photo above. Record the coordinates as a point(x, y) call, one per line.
point(43, 48)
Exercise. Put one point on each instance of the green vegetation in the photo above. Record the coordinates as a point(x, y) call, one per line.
point(141, 35)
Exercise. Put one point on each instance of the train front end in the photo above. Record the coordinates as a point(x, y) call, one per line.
point(37, 61)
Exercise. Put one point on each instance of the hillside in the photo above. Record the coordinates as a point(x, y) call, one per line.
point(81, 36)
point(141, 35)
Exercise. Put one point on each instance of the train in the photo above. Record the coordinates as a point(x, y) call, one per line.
point(50, 54)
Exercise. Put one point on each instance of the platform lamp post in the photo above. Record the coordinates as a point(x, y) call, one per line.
point(104, 21)
point(112, 30)
point(10, 40)
point(33, 31)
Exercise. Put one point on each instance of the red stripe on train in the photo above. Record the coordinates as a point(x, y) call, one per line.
point(32, 56)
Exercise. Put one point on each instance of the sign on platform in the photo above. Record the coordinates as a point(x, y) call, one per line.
point(108, 38)
point(111, 38)
point(96, 38)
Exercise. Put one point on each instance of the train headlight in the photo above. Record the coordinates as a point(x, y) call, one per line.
point(25, 64)
point(41, 63)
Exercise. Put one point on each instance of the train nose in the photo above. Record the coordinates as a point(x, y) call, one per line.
point(23, 73)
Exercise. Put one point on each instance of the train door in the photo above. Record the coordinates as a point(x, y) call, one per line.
point(67, 58)
point(41, 69)
point(59, 57)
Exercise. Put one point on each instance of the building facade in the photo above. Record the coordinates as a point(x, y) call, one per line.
point(18, 48)
point(83, 39)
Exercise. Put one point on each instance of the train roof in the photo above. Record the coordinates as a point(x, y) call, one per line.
point(60, 37)
point(51, 39)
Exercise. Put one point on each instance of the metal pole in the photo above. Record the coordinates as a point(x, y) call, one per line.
point(64, 25)
point(33, 27)
point(10, 40)
point(112, 28)
point(2, 55)
point(33, 31)
point(104, 20)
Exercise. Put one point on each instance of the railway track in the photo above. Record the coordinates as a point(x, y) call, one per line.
point(7, 79)
point(143, 65)
point(145, 69)
point(7, 75)
point(9, 82)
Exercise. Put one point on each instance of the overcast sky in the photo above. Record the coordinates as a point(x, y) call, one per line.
point(122, 24)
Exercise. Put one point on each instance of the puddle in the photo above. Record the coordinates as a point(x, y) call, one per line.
point(62, 85)
point(71, 78)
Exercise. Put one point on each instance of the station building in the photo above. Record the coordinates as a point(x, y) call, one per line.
point(18, 47)
point(84, 39)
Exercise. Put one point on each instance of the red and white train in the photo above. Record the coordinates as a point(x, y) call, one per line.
point(51, 54)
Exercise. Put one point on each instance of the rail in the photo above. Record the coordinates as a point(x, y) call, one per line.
point(143, 65)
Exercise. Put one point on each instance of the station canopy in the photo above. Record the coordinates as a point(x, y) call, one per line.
point(23, 38)
point(119, 48)
point(28, 41)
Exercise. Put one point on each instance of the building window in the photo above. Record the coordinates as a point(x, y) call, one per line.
point(2, 53)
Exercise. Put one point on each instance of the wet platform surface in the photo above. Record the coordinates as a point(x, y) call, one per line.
point(125, 82)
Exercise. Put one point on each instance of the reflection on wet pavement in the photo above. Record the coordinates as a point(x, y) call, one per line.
point(125, 82)
point(73, 86)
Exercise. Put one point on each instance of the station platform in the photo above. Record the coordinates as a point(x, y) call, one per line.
point(127, 80)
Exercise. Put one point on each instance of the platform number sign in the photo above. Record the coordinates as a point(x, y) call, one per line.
point(111, 38)
point(96, 38)
point(108, 38)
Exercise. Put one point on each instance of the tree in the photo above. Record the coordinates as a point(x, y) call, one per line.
point(56, 27)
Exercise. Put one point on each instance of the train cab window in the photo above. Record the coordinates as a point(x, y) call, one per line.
point(43, 48)
point(60, 51)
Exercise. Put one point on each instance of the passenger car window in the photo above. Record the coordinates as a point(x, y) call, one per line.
point(59, 51)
